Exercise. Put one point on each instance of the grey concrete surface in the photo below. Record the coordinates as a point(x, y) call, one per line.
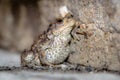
point(29, 75)
point(9, 58)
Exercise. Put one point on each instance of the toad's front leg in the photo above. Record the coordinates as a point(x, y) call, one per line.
point(79, 28)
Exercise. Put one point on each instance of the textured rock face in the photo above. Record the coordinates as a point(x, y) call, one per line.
point(100, 49)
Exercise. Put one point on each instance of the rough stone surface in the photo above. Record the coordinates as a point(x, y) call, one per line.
point(102, 49)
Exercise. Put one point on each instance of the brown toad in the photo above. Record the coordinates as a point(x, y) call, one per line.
point(52, 47)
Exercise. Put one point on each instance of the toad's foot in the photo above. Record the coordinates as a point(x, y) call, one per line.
point(64, 66)
point(79, 29)
point(29, 59)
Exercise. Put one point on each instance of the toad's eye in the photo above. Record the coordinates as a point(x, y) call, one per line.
point(60, 20)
